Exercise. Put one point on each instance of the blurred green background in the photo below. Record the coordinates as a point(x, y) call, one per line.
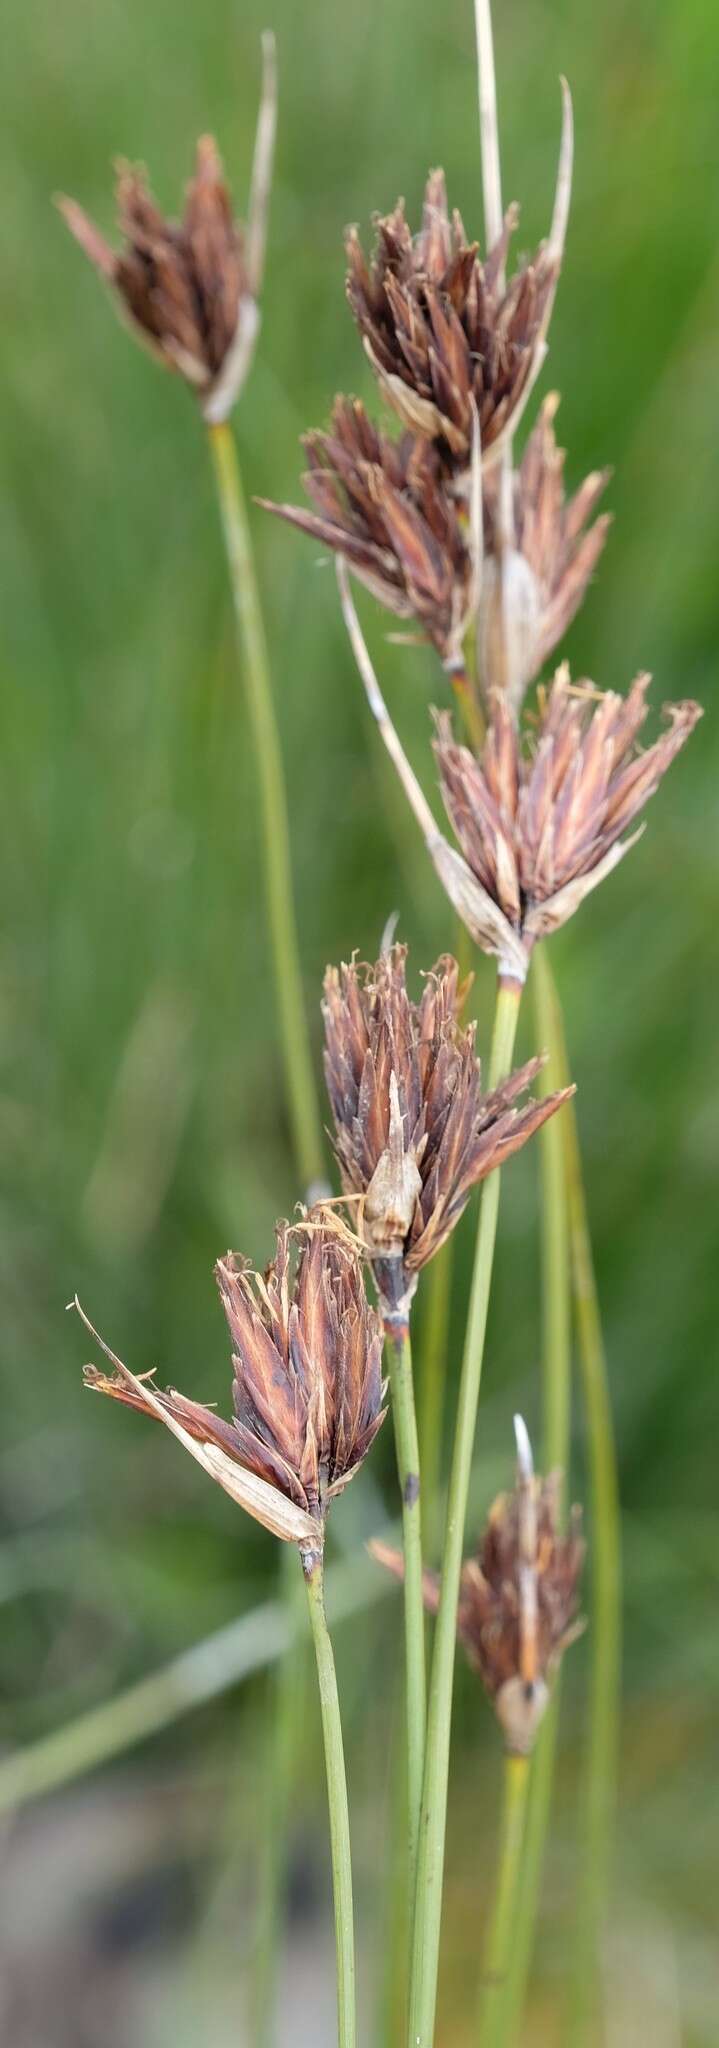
point(142, 1127)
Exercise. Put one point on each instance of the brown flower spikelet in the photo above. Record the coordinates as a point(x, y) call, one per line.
point(513, 1643)
point(540, 825)
point(413, 1131)
point(543, 577)
point(307, 1385)
point(384, 505)
point(182, 286)
point(442, 330)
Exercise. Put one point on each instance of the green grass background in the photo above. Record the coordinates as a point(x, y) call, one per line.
point(142, 1127)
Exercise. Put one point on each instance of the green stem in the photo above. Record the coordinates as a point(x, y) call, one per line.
point(511, 1999)
point(556, 1270)
point(299, 1078)
point(399, 1359)
point(605, 1553)
point(337, 1802)
point(284, 1694)
point(430, 1862)
point(433, 1380)
point(500, 1938)
point(556, 1390)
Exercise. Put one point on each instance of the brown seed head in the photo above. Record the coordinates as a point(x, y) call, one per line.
point(183, 286)
point(307, 1387)
point(442, 330)
point(540, 818)
point(413, 1131)
point(533, 596)
point(518, 1600)
point(384, 505)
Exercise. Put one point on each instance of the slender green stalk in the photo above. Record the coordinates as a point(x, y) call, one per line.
point(337, 1802)
point(393, 1917)
point(605, 1556)
point(436, 1297)
point(284, 1694)
point(500, 1937)
point(556, 1398)
point(399, 1360)
point(556, 1269)
point(599, 1796)
point(430, 1863)
point(301, 1092)
point(506, 2020)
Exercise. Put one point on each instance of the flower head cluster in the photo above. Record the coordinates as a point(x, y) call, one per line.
point(456, 348)
point(307, 1383)
point(519, 1596)
point(189, 289)
point(541, 823)
point(413, 1131)
point(382, 504)
point(449, 339)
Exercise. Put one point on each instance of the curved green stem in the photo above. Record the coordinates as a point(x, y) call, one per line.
point(337, 1802)
point(399, 1359)
point(430, 1862)
point(500, 1937)
point(299, 1078)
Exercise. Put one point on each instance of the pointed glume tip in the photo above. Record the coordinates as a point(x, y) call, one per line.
point(525, 1460)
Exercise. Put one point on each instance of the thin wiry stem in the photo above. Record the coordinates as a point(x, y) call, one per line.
point(430, 1865)
point(556, 1270)
point(378, 708)
point(605, 1556)
point(285, 1686)
point(432, 1383)
point(556, 1380)
point(299, 1078)
point(488, 128)
point(399, 1361)
point(511, 1998)
point(262, 165)
point(338, 1808)
point(501, 1936)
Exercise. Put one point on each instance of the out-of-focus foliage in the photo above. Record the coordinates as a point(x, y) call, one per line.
point(142, 1128)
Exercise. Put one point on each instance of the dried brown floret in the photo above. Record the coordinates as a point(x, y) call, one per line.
point(518, 1597)
point(385, 506)
point(444, 332)
point(539, 817)
point(307, 1386)
point(189, 289)
point(532, 588)
point(413, 1131)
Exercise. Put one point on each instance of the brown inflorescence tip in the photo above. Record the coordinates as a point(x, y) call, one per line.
point(413, 1131)
point(307, 1385)
point(539, 816)
point(189, 288)
point(446, 336)
point(383, 505)
point(519, 1596)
